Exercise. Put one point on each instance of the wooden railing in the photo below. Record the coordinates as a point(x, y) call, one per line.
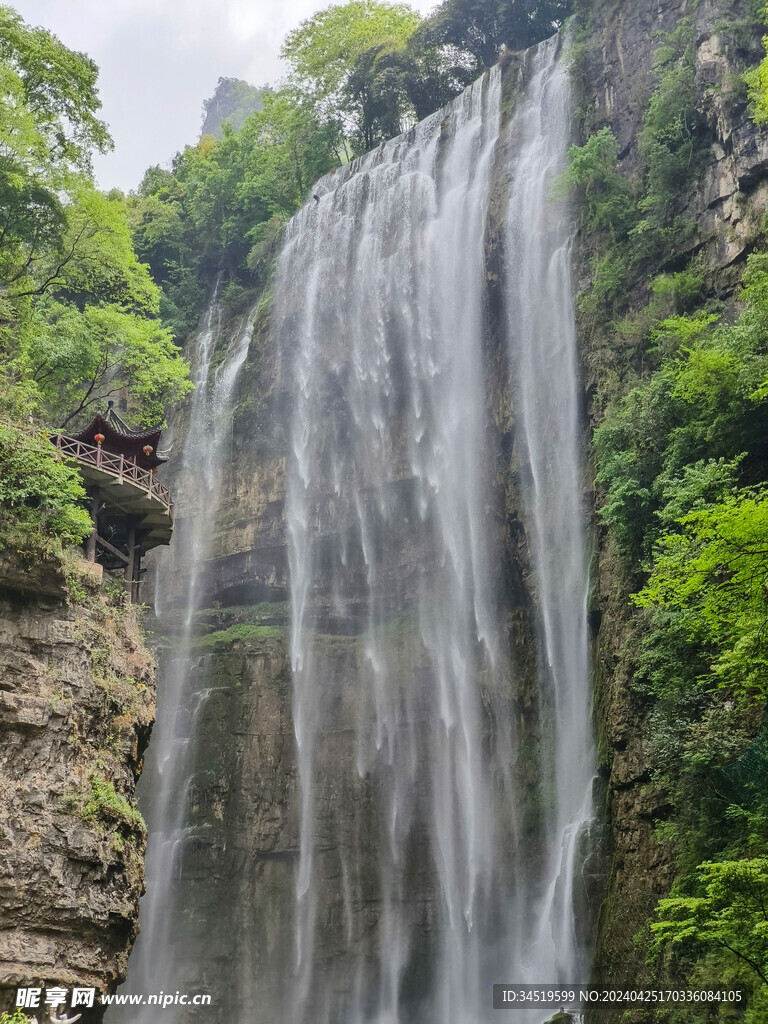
point(116, 465)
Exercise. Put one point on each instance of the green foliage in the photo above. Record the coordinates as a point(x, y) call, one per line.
point(757, 81)
point(682, 464)
point(484, 27)
point(704, 402)
point(593, 171)
point(41, 496)
point(223, 205)
point(635, 226)
point(48, 127)
point(324, 48)
point(103, 805)
point(59, 88)
point(77, 309)
point(361, 72)
point(715, 572)
point(372, 68)
point(671, 137)
point(17, 1017)
point(80, 359)
point(349, 60)
point(239, 632)
point(729, 911)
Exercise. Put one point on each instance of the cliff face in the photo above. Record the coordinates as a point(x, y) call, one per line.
point(725, 198)
point(728, 194)
point(238, 870)
point(76, 707)
point(238, 865)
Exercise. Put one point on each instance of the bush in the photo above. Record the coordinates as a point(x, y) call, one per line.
point(105, 804)
point(41, 496)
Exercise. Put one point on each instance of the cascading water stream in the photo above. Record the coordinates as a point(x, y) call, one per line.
point(166, 778)
point(386, 329)
point(543, 359)
point(393, 544)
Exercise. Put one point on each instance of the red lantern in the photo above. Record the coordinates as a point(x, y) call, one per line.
point(147, 449)
point(98, 438)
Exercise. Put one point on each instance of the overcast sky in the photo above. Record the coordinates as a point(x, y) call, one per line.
point(159, 59)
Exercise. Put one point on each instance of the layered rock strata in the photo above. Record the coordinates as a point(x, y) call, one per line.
point(76, 708)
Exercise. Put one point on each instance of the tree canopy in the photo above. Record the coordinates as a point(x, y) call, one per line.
point(73, 295)
point(325, 47)
point(78, 311)
point(484, 27)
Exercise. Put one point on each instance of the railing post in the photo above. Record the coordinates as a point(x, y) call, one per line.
point(131, 555)
point(136, 574)
point(90, 545)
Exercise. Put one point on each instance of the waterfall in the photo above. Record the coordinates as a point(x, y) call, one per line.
point(429, 839)
point(543, 360)
point(414, 888)
point(168, 775)
point(387, 429)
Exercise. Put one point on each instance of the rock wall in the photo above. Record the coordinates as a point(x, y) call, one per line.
point(238, 869)
point(726, 198)
point(76, 708)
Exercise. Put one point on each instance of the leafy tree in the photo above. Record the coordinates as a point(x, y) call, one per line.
point(757, 83)
point(286, 149)
point(70, 281)
point(323, 49)
point(682, 462)
point(638, 224)
point(40, 494)
point(672, 136)
point(341, 58)
point(79, 359)
point(715, 570)
point(224, 199)
point(59, 89)
point(17, 1017)
point(484, 27)
point(593, 173)
point(376, 89)
point(48, 128)
point(432, 74)
point(729, 911)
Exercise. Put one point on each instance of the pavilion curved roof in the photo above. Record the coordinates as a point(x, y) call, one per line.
point(121, 440)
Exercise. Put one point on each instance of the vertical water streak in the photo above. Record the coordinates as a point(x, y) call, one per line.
point(543, 360)
point(157, 960)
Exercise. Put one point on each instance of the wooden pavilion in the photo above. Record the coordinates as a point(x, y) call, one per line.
point(131, 511)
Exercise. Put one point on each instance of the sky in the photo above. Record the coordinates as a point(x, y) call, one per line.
point(160, 59)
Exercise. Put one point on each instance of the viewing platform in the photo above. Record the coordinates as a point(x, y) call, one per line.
point(131, 511)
